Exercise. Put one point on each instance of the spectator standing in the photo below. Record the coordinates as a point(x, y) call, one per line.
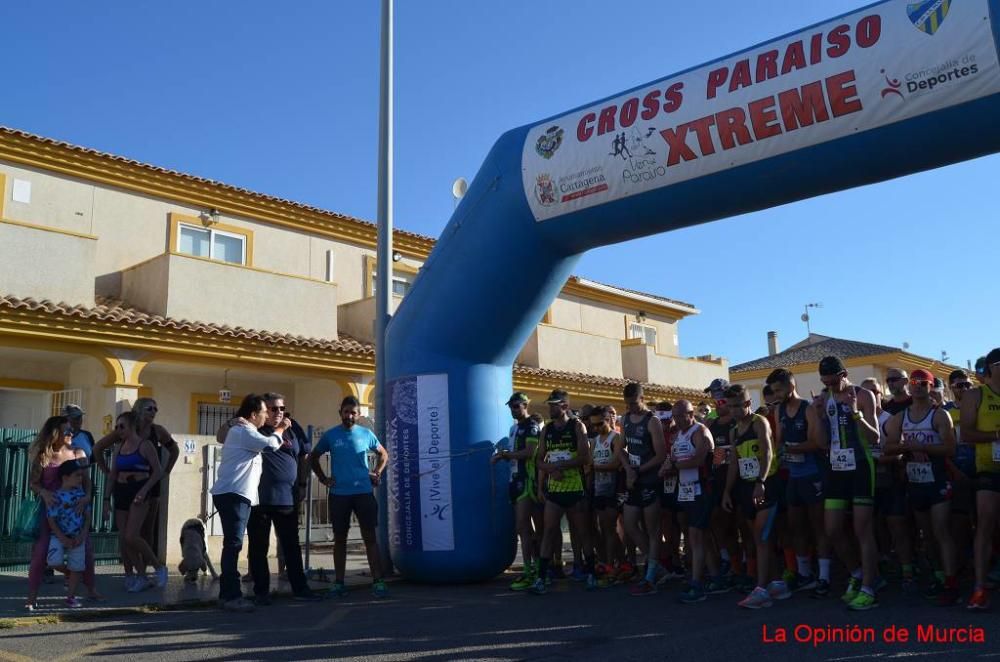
point(68, 522)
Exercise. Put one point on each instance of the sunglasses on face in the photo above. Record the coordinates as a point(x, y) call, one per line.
point(919, 382)
point(895, 379)
point(151, 408)
point(67, 432)
point(961, 386)
point(275, 410)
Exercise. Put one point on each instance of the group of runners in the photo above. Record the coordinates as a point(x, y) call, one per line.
point(900, 486)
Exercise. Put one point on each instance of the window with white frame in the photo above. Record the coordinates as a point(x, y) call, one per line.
point(644, 331)
point(400, 285)
point(212, 244)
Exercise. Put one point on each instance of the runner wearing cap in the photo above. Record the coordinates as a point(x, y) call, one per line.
point(892, 526)
point(604, 500)
point(923, 434)
point(725, 527)
point(806, 464)
point(752, 491)
point(670, 557)
point(980, 419)
point(523, 445)
point(962, 471)
point(688, 464)
point(562, 454)
point(850, 430)
point(642, 455)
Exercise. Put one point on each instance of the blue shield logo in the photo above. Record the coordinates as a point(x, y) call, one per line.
point(928, 16)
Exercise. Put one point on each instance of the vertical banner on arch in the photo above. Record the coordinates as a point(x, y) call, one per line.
point(419, 445)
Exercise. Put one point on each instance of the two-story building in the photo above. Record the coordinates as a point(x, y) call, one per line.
point(121, 279)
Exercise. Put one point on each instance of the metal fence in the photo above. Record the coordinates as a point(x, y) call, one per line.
point(14, 476)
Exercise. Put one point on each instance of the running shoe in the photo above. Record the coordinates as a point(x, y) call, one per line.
point(538, 588)
point(717, 586)
point(863, 601)
point(948, 597)
point(73, 602)
point(591, 582)
point(881, 584)
point(241, 605)
point(692, 595)
point(337, 590)
point(853, 588)
point(803, 583)
point(138, 585)
point(758, 599)
point(980, 600)
point(778, 590)
point(578, 575)
point(379, 589)
point(523, 582)
point(643, 588)
point(161, 577)
point(128, 581)
point(822, 589)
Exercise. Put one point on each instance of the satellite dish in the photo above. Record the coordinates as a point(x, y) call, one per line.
point(459, 188)
point(804, 317)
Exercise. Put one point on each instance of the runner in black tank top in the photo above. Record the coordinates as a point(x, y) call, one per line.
point(643, 455)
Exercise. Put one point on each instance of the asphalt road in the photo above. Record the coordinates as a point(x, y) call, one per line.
point(488, 622)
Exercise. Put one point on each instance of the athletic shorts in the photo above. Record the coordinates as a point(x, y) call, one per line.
point(521, 488)
point(75, 558)
point(643, 496)
point(923, 496)
point(988, 481)
point(363, 506)
point(604, 502)
point(963, 497)
point(699, 511)
point(857, 487)
point(720, 475)
point(804, 491)
point(781, 486)
point(565, 500)
point(890, 501)
point(743, 496)
point(124, 493)
point(668, 500)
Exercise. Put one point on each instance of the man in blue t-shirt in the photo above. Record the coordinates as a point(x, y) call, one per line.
point(351, 486)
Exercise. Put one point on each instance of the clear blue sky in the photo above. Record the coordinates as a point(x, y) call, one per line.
point(282, 98)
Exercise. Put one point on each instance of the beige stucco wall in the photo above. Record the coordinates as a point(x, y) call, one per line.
point(641, 362)
point(357, 318)
point(208, 291)
point(56, 202)
point(573, 351)
point(47, 265)
point(601, 319)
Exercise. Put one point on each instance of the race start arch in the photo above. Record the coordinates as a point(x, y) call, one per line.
point(891, 89)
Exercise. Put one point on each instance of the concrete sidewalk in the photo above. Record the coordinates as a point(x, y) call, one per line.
point(110, 583)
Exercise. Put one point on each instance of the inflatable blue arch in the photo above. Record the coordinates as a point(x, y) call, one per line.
point(891, 89)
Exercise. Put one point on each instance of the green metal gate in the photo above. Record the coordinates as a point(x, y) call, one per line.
point(14, 474)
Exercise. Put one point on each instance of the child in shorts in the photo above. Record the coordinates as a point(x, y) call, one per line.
point(68, 542)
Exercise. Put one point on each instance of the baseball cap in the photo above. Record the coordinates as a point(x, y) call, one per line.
point(938, 384)
point(557, 397)
point(921, 374)
point(831, 365)
point(72, 411)
point(68, 467)
point(718, 386)
point(517, 396)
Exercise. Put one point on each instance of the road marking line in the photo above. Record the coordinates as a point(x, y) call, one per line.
point(335, 617)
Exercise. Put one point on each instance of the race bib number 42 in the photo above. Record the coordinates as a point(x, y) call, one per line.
point(843, 460)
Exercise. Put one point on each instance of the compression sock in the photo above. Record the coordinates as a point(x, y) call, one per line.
point(803, 566)
point(824, 569)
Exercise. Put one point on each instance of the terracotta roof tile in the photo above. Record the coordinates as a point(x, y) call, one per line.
point(194, 179)
point(558, 375)
point(813, 353)
point(111, 310)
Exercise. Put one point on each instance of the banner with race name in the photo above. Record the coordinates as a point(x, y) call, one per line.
point(880, 65)
point(419, 445)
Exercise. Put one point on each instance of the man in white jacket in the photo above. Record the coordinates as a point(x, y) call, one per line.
point(235, 491)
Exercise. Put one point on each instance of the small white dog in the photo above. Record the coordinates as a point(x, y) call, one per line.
point(194, 551)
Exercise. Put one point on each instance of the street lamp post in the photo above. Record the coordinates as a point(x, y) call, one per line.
point(383, 276)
